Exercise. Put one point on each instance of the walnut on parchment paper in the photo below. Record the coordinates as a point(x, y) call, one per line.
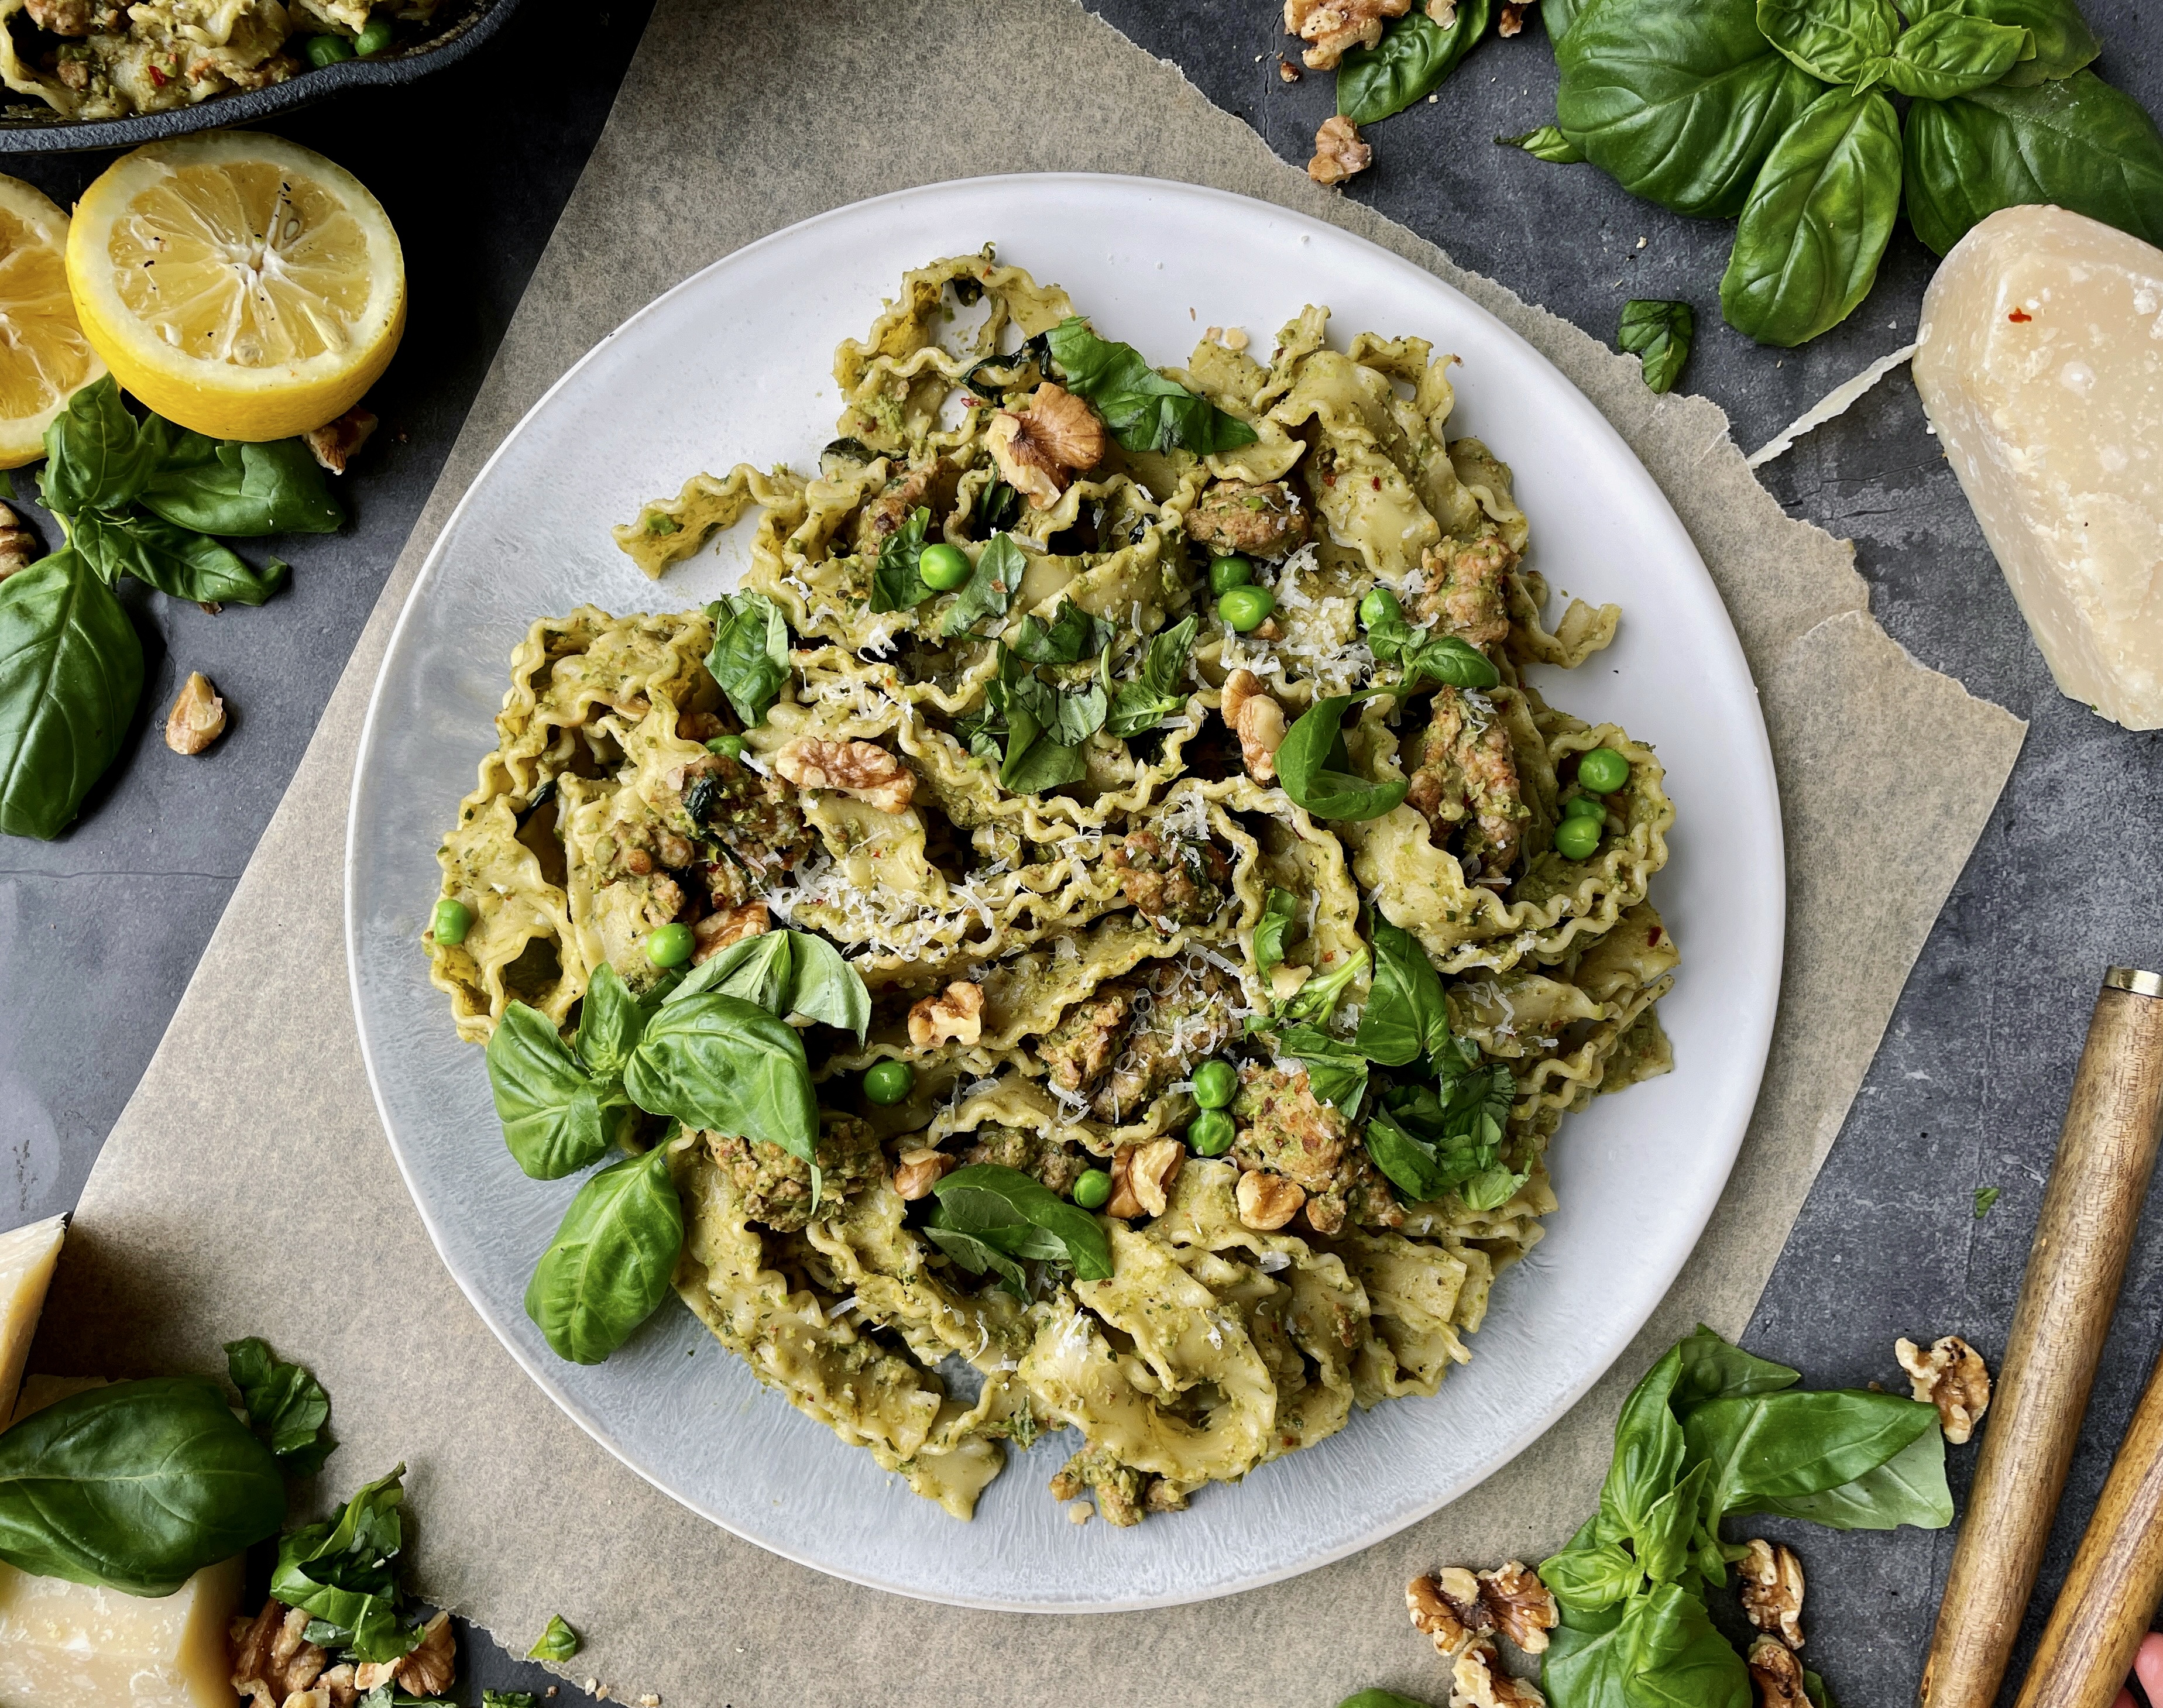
point(1332, 28)
point(1773, 1590)
point(1041, 449)
point(863, 769)
point(1253, 715)
point(18, 546)
point(336, 443)
point(1339, 153)
point(1447, 1607)
point(1778, 1674)
point(956, 1013)
point(1952, 1376)
point(1524, 1607)
point(272, 1658)
point(197, 717)
point(1477, 1680)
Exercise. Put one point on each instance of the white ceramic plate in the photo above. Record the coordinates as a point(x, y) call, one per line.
point(733, 365)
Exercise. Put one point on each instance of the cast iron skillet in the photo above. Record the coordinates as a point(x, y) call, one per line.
point(467, 25)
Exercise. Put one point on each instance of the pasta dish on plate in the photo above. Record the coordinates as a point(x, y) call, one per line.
point(1096, 932)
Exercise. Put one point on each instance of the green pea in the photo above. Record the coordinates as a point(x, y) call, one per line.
point(328, 50)
point(887, 1083)
point(1216, 1084)
point(1246, 608)
point(729, 746)
point(1603, 771)
point(942, 568)
point(1226, 573)
point(1574, 839)
point(671, 945)
point(374, 39)
point(1093, 1190)
point(451, 920)
point(1210, 1133)
point(1381, 606)
point(1585, 806)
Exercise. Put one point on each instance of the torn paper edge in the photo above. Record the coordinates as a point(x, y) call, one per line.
point(1837, 401)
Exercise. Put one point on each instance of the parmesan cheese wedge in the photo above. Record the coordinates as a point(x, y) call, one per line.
point(66, 1645)
point(2039, 360)
point(27, 1257)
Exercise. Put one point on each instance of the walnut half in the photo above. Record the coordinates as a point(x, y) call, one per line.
point(863, 769)
point(1041, 449)
point(956, 1013)
point(1255, 716)
point(1339, 153)
point(1773, 1590)
point(272, 1658)
point(1142, 1176)
point(1952, 1376)
point(1333, 28)
point(1268, 1201)
point(18, 546)
point(1478, 1681)
point(1524, 1607)
point(1778, 1674)
point(918, 1171)
point(1447, 1607)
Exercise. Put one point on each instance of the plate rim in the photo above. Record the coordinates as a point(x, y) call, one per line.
point(1755, 1044)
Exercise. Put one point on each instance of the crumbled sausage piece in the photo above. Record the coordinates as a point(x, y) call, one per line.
point(1332, 28)
point(75, 18)
point(272, 1658)
point(718, 931)
point(918, 1171)
point(1952, 1376)
point(1265, 521)
point(1467, 593)
point(18, 546)
point(1446, 1606)
point(1172, 881)
point(1253, 715)
point(1778, 1674)
point(1041, 449)
point(1773, 1590)
point(430, 1664)
point(955, 1013)
point(1268, 1201)
point(1339, 153)
point(1467, 779)
point(337, 443)
point(197, 717)
point(1478, 1681)
point(1523, 1606)
point(773, 1186)
point(863, 769)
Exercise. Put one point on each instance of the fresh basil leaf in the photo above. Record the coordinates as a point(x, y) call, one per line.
point(608, 1268)
point(1678, 101)
point(1663, 1541)
point(1713, 1369)
point(1775, 1447)
point(243, 491)
point(175, 561)
point(1806, 251)
point(1409, 63)
point(97, 456)
point(1409, 1164)
point(1986, 1200)
point(1493, 1187)
point(1156, 691)
point(895, 584)
point(1144, 410)
point(999, 507)
point(1947, 54)
point(1591, 1579)
point(1557, 15)
point(991, 586)
point(1649, 1448)
point(135, 1486)
point(549, 1105)
point(726, 1065)
point(1073, 636)
point(70, 673)
point(609, 1021)
point(1840, 41)
point(1423, 655)
point(1910, 1488)
point(286, 1405)
point(749, 659)
point(2064, 43)
point(986, 1199)
point(1678, 1659)
point(1278, 912)
point(1305, 771)
point(345, 1571)
point(2074, 142)
point(557, 1642)
point(1659, 335)
point(1379, 1699)
point(1336, 1071)
point(761, 969)
point(1546, 143)
point(978, 1255)
point(824, 986)
point(1405, 1017)
point(1814, 1687)
point(1034, 761)
point(1068, 718)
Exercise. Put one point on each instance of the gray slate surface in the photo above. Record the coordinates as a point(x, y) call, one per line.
point(99, 932)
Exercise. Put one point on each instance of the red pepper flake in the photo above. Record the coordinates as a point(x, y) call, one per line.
point(157, 76)
point(2020, 317)
point(1377, 483)
point(1652, 936)
point(1329, 480)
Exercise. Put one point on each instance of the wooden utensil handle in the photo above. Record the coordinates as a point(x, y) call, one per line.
point(2106, 1154)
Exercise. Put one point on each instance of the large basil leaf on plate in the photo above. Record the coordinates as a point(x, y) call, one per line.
point(1408, 63)
point(1019, 1216)
point(175, 560)
point(1838, 41)
point(728, 1065)
point(550, 1106)
point(1680, 101)
point(2074, 142)
point(2063, 41)
point(993, 583)
point(608, 1268)
point(1406, 1016)
point(71, 673)
point(1314, 772)
point(242, 489)
point(1807, 249)
point(895, 584)
point(1947, 54)
point(137, 1486)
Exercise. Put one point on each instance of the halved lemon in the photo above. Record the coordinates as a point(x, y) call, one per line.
point(43, 356)
point(236, 283)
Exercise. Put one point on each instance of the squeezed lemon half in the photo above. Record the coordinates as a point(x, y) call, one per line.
point(43, 356)
point(236, 283)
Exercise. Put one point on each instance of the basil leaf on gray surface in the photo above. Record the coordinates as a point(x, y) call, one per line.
point(286, 1405)
point(1806, 251)
point(2074, 142)
point(1947, 54)
point(344, 1572)
point(1409, 63)
point(1546, 143)
point(70, 673)
point(2064, 43)
point(895, 584)
point(1406, 1016)
point(1709, 1368)
point(608, 1268)
point(1306, 769)
point(1144, 410)
point(549, 1105)
point(1678, 101)
point(1777, 1447)
point(1659, 334)
point(1156, 691)
point(558, 1640)
point(135, 1486)
point(1838, 41)
point(749, 659)
point(175, 560)
point(97, 456)
point(721, 1063)
point(1910, 1488)
point(991, 586)
point(1017, 1215)
point(1558, 16)
point(224, 487)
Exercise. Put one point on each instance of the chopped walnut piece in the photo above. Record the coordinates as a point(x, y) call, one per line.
point(1041, 449)
point(336, 443)
point(918, 1171)
point(1287, 71)
point(717, 930)
point(18, 546)
point(1268, 1201)
point(197, 717)
point(1951, 1376)
point(1478, 1681)
point(1778, 1674)
point(1151, 1169)
point(1513, 17)
point(272, 1658)
point(1339, 153)
point(1523, 1607)
point(1252, 715)
point(1773, 1590)
point(369, 1673)
point(1333, 28)
point(863, 769)
point(431, 1664)
point(338, 1686)
point(956, 1013)
point(1448, 1608)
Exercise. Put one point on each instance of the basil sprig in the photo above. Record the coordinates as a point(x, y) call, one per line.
point(608, 1268)
point(1657, 333)
point(343, 1574)
point(1144, 410)
point(286, 1405)
point(1316, 771)
point(992, 1220)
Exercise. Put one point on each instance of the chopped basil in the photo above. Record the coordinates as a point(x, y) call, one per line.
point(895, 584)
point(1144, 410)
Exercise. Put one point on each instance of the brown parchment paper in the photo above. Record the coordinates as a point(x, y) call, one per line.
point(249, 1189)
